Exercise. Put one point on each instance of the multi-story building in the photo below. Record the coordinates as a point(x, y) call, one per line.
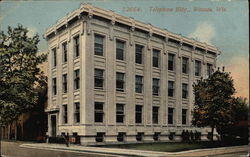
point(114, 79)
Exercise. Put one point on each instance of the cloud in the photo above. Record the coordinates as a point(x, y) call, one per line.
point(204, 32)
point(238, 66)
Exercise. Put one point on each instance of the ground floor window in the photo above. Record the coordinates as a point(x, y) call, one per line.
point(156, 136)
point(121, 136)
point(76, 138)
point(100, 136)
point(171, 136)
point(184, 116)
point(139, 136)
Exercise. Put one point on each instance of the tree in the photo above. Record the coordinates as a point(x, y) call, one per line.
point(213, 101)
point(19, 73)
point(239, 126)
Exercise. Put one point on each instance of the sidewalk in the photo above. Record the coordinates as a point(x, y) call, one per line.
point(131, 152)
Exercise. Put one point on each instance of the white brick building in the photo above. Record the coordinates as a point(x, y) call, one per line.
point(114, 79)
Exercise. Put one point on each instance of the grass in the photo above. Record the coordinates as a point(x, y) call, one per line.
point(175, 146)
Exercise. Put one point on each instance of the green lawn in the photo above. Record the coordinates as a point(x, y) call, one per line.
point(173, 147)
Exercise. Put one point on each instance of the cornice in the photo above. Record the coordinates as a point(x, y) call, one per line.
point(131, 22)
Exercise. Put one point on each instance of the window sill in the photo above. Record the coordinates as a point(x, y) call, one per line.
point(120, 91)
point(139, 94)
point(99, 123)
point(156, 125)
point(156, 68)
point(120, 124)
point(171, 71)
point(64, 94)
point(172, 97)
point(78, 123)
point(171, 125)
point(139, 65)
point(120, 61)
point(76, 90)
point(156, 96)
point(139, 124)
point(99, 56)
point(76, 58)
point(64, 64)
point(65, 124)
point(197, 77)
point(99, 89)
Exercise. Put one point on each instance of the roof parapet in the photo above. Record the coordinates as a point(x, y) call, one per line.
point(113, 17)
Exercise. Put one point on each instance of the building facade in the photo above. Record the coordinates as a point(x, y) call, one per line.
point(113, 79)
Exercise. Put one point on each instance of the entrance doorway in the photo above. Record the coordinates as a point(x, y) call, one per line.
point(53, 125)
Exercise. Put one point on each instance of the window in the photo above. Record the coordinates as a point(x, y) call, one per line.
point(54, 57)
point(119, 113)
point(99, 112)
point(77, 112)
point(119, 81)
point(156, 54)
point(171, 88)
point(138, 54)
point(99, 45)
point(139, 136)
point(64, 83)
point(54, 86)
point(99, 78)
point(65, 114)
point(184, 65)
point(64, 46)
point(138, 113)
point(197, 68)
point(120, 136)
point(184, 90)
point(184, 116)
point(138, 84)
point(155, 114)
point(156, 136)
point(156, 86)
point(100, 136)
point(77, 79)
point(209, 69)
point(170, 115)
point(76, 46)
point(171, 62)
point(120, 49)
point(77, 138)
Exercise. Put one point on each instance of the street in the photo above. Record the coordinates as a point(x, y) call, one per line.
point(12, 149)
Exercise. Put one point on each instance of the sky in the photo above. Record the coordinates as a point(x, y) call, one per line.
point(222, 23)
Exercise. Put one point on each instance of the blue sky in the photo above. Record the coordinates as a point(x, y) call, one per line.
point(227, 30)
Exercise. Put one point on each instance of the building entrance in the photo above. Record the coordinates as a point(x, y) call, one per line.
point(53, 125)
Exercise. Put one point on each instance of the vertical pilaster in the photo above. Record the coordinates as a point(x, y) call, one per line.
point(70, 79)
point(178, 86)
point(110, 77)
point(130, 80)
point(163, 85)
point(59, 78)
point(83, 76)
point(89, 72)
point(190, 87)
point(148, 83)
